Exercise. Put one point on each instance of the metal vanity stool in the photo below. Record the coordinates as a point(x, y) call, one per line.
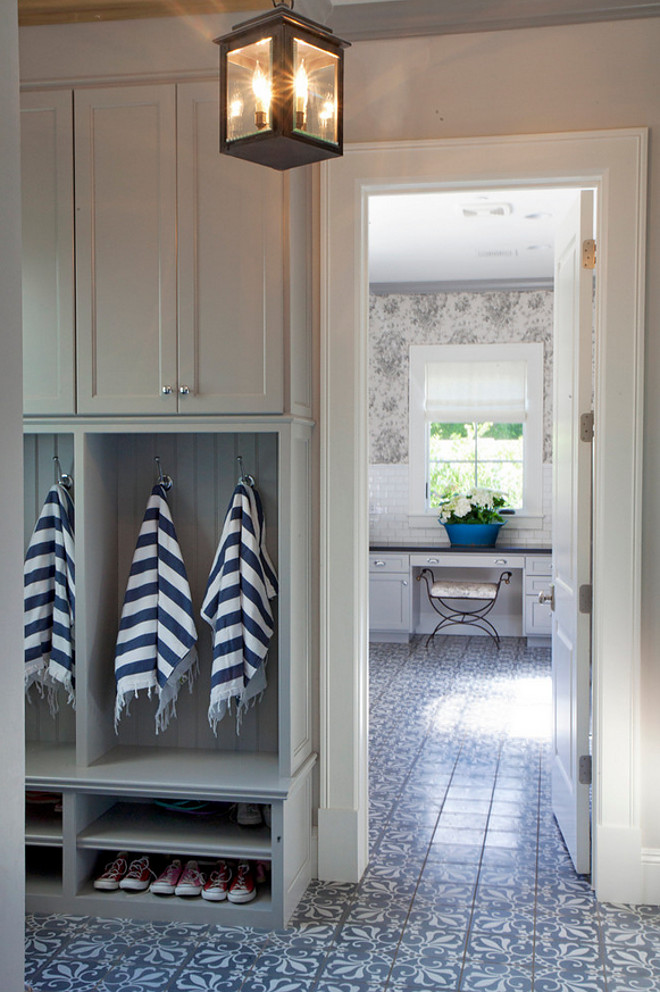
point(444, 594)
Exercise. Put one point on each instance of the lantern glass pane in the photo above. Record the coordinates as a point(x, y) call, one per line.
point(250, 89)
point(315, 74)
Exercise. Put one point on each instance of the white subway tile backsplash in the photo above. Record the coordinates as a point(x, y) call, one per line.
point(389, 522)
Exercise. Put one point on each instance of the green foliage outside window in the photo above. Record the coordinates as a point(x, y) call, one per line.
point(486, 455)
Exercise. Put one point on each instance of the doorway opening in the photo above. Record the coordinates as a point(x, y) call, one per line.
point(467, 276)
point(614, 163)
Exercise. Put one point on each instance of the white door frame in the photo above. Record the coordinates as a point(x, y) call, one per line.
point(614, 163)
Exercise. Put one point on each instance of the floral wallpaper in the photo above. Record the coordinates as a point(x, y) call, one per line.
point(397, 321)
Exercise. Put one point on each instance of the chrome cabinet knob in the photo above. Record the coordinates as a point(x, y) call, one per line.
point(404, 582)
point(184, 390)
point(166, 390)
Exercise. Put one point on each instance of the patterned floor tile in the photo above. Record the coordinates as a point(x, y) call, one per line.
point(457, 801)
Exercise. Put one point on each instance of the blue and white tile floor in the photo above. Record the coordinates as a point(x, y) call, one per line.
point(469, 886)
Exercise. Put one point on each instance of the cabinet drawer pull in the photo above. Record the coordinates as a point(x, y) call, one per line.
point(380, 564)
point(433, 561)
point(184, 390)
point(501, 561)
point(166, 390)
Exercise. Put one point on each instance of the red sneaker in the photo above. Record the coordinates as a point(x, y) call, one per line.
point(113, 874)
point(139, 875)
point(217, 886)
point(243, 888)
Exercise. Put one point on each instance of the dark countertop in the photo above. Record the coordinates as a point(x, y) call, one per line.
point(383, 549)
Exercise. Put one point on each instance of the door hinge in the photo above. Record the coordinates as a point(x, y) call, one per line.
point(584, 769)
point(585, 598)
point(589, 254)
point(587, 426)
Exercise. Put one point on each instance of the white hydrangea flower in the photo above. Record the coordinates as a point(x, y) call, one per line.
point(463, 507)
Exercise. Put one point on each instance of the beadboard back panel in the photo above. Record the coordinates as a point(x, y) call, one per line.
point(204, 470)
point(39, 475)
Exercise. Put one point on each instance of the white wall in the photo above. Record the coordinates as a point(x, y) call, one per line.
point(11, 525)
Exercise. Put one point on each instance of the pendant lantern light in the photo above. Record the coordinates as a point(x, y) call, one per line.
point(281, 90)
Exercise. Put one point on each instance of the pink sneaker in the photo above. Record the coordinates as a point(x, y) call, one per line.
point(166, 882)
point(191, 882)
point(261, 870)
point(216, 888)
point(139, 875)
point(113, 874)
point(243, 888)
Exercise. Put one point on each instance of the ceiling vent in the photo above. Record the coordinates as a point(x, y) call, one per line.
point(496, 252)
point(486, 209)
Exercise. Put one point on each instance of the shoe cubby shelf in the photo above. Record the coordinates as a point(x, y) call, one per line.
point(43, 827)
point(147, 906)
point(108, 777)
point(151, 829)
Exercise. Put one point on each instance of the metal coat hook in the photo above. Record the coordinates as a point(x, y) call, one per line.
point(163, 480)
point(62, 478)
point(247, 479)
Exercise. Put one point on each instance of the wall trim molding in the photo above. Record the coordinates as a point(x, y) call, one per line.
point(613, 162)
point(461, 286)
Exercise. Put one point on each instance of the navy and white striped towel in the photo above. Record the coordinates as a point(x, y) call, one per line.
point(49, 579)
point(156, 643)
point(237, 608)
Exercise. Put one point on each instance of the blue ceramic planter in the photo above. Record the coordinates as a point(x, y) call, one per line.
point(473, 535)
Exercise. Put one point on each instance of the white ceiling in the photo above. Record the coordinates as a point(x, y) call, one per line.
point(457, 237)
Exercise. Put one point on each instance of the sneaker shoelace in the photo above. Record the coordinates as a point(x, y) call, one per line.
point(115, 869)
point(191, 876)
point(220, 877)
point(171, 874)
point(242, 873)
point(137, 867)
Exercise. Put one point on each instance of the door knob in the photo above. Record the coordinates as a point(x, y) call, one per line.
point(548, 597)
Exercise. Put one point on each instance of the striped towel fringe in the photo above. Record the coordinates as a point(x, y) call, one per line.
point(236, 606)
point(156, 644)
point(49, 579)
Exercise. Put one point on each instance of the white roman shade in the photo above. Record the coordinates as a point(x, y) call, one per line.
point(465, 391)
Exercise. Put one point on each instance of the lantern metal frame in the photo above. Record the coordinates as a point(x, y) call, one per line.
point(282, 146)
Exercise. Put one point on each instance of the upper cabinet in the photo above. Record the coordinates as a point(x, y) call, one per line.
point(178, 260)
point(48, 258)
point(230, 253)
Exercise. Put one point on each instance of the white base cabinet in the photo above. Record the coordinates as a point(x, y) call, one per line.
point(110, 782)
point(389, 597)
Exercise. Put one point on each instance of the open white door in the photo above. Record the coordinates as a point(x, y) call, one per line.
point(571, 538)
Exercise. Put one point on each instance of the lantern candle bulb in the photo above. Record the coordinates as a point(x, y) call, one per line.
point(301, 87)
point(261, 90)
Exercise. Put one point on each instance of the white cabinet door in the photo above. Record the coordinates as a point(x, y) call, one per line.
point(389, 602)
point(125, 171)
point(230, 244)
point(48, 272)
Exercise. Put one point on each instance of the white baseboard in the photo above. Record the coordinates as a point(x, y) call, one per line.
point(651, 876)
point(343, 849)
point(617, 870)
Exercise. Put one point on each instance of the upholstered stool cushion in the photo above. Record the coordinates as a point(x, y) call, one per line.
point(454, 589)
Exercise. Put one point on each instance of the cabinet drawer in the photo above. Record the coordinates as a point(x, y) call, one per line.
point(447, 559)
point(388, 563)
point(538, 565)
point(538, 617)
point(534, 584)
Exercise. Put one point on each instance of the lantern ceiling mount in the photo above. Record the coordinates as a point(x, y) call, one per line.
point(281, 90)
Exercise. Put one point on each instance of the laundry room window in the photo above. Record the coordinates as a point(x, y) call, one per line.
point(476, 421)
